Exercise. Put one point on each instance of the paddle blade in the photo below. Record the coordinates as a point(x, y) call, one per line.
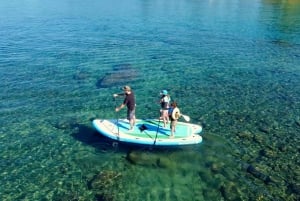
point(186, 118)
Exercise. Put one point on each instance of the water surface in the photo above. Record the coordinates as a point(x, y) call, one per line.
point(232, 66)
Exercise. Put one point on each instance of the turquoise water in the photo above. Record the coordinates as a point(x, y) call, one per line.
point(232, 66)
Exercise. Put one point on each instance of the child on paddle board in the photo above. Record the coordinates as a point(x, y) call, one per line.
point(174, 114)
point(165, 105)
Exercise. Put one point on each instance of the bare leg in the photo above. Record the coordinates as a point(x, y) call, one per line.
point(165, 117)
point(172, 133)
point(132, 122)
point(172, 126)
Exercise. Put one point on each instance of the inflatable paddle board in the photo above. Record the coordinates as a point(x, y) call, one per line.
point(149, 132)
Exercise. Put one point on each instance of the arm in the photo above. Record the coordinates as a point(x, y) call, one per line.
point(119, 108)
point(120, 94)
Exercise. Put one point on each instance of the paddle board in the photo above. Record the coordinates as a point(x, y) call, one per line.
point(149, 132)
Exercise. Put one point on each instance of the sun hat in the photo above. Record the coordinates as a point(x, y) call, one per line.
point(126, 88)
point(164, 92)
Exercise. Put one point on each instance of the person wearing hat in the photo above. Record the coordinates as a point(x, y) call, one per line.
point(165, 104)
point(129, 101)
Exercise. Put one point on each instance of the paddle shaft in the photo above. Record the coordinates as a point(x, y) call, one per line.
point(117, 119)
point(186, 118)
point(157, 129)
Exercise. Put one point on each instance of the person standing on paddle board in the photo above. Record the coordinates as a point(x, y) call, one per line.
point(165, 104)
point(174, 114)
point(129, 101)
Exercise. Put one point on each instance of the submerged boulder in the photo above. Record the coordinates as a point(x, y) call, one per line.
point(104, 183)
point(121, 75)
point(230, 191)
point(81, 75)
point(149, 159)
point(256, 173)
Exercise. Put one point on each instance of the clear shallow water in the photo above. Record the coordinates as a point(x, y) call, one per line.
point(233, 66)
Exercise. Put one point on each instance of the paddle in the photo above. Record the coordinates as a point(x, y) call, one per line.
point(186, 118)
point(117, 119)
point(156, 131)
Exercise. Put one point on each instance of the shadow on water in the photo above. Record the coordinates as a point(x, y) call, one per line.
point(91, 137)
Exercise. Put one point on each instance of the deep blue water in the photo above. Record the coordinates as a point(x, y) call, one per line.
point(233, 66)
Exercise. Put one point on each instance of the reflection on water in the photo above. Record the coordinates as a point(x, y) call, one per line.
point(283, 17)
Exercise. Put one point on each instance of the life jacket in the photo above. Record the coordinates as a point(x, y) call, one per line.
point(165, 103)
point(174, 113)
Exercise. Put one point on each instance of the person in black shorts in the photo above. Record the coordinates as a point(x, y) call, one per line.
point(165, 104)
point(129, 101)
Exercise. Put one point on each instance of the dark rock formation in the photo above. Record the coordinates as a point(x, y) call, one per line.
point(122, 74)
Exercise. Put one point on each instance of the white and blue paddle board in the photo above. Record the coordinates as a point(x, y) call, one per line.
point(149, 132)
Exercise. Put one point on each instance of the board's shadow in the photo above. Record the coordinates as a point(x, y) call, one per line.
point(91, 137)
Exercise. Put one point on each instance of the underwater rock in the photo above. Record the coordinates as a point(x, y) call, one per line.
point(282, 43)
point(81, 75)
point(65, 196)
point(264, 129)
point(66, 124)
point(122, 67)
point(259, 138)
point(141, 159)
point(114, 79)
point(165, 68)
point(149, 159)
point(216, 167)
point(103, 183)
point(154, 57)
point(121, 75)
point(245, 134)
point(294, 188)
point(228, 173)
point(205, 175)
point(268, 153)
point(229, 191)
point(259, 175)
point(222, 122)
point(104, 179)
